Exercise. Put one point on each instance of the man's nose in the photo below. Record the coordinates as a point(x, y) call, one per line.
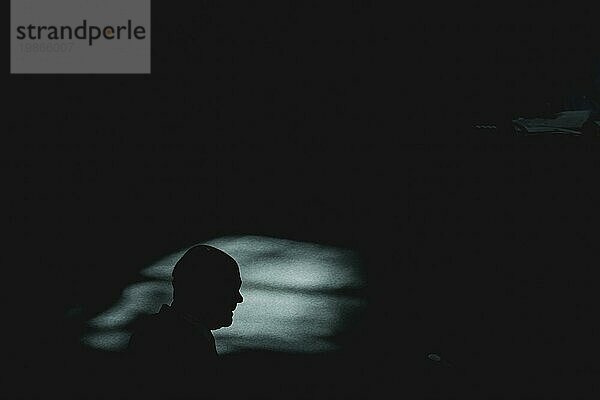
point(239, 298)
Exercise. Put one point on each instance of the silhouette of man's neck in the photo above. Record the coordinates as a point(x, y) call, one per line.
point(191, 317)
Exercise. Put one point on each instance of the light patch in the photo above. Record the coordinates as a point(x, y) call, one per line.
point(139, 298)
point(291, 290)
point(108, 340)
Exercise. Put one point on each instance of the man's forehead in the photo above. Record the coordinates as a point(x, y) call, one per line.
point(234, 274)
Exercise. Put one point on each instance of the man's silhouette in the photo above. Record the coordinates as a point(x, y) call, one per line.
point(174, 351)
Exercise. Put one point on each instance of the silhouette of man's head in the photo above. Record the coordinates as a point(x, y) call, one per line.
point(206, 285)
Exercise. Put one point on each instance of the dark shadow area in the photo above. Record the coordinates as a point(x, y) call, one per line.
point(346, 126)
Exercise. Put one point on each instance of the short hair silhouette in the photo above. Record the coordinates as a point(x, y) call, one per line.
point(202, 261)
point(206, 283)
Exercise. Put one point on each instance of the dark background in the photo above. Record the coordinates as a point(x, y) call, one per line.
point(344, 124)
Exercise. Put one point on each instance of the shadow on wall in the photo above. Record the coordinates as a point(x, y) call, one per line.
point(297, 297)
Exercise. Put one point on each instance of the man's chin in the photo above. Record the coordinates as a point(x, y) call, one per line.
point(223, 324)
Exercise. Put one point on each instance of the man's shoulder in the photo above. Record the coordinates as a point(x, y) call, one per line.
point(164, 330)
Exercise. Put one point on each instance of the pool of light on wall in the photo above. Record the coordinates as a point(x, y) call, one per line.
point(297, 297)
